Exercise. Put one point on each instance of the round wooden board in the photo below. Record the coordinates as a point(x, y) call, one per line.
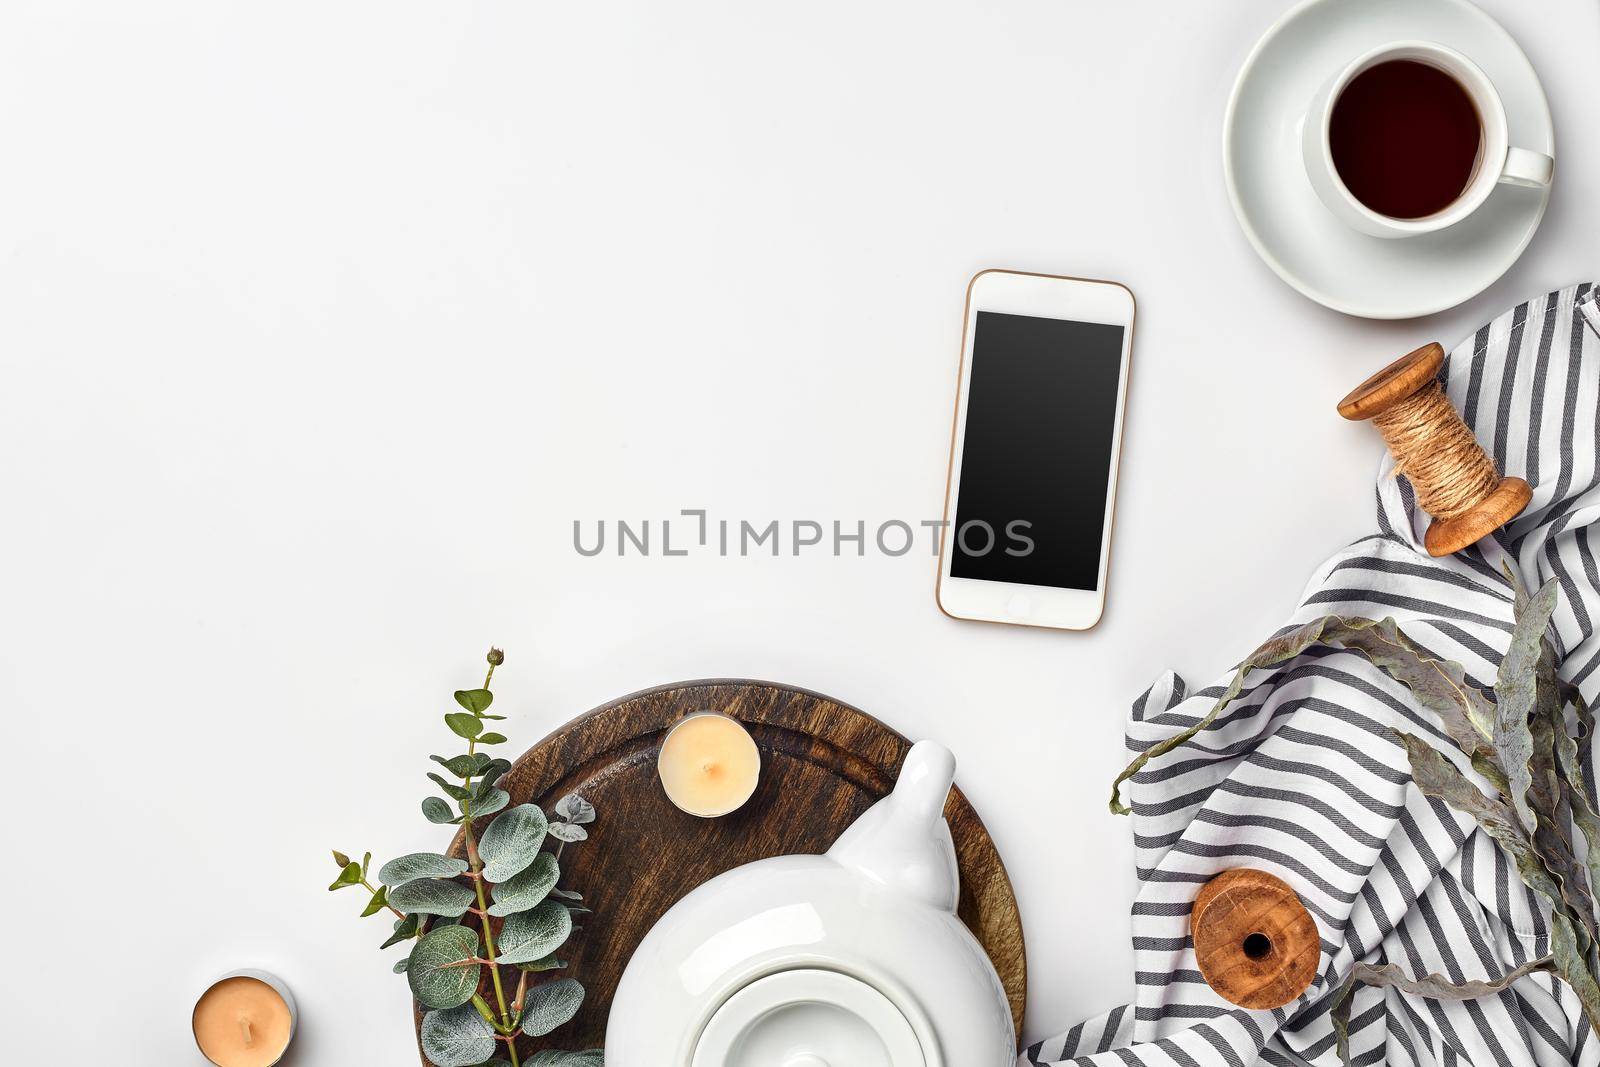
point(823, 764)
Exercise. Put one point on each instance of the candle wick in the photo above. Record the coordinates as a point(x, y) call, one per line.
point(244, 1027)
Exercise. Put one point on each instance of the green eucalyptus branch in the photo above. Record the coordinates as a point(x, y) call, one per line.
point(499, 907)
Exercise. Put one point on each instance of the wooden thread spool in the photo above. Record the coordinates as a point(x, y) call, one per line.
point(1256, 944)
point(1455, 479)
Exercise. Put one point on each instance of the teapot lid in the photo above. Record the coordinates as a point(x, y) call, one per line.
point(808, 1018)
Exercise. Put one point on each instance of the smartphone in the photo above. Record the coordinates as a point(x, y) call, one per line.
point(1032, 486)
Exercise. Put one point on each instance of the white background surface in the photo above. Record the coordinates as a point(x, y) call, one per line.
point(321, 323)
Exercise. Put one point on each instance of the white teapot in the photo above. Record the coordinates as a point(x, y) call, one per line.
point(854, 958)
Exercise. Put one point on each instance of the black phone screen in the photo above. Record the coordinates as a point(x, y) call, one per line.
point(1036, 464)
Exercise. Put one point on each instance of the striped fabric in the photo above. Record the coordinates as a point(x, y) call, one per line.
point(1301, 777)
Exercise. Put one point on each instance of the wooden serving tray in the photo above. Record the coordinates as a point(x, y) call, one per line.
point(823, 763)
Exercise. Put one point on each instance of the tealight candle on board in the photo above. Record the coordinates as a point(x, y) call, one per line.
point(709, 764)
point(245, 1019)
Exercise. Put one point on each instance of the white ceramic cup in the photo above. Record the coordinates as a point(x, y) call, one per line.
point(1498, 161)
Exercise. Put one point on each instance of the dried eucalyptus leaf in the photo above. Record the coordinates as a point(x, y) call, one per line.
point(1516, 690)
point(405, 928)
point(439, 975)
point(528, 935)
point(1550, 798)
point(526, 889)
point(1330, 630)
point(457, 1037)
point(550, 1005)
point(416, 865)
point(1437, 777)
point(573, 808)
point(436, 810)
point(474, 700)
point(491, 801)
point(1571, 767)
point(1572, 964)
point(429, 896)
point(351, 875)
point(512, 841)
point(593, 1057)
point(1432, 986)
point(566, 831)
point(1441, 686)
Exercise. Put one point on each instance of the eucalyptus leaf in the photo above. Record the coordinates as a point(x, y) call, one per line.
point(429, 896)
point(569, 832)
point(543, 963)
point(436, 810)
point(1441, 686)
point(1437, 777)
point(491, 738)
point(366, 862)
point(1516, 694)
point(1572, 964)
point(550, 1005)
point(451, 790)
point(351, 875)
point(457, 1037)
point(1571, 766)
point(1432, 986)
point(439, 975)
point(340, 859)
point(379, 901)
point(466, 765)
point(474, 700)
point(1442, 683)
point(512, 841)
point(401, 965)
point(416, 865)
point(463, 725)
point(566, 894)
point(553, 1058)
point(528, 935)
point(490, 802)
point(405, 928)
point(573, 808)
point(526, 889)
point(494, 769)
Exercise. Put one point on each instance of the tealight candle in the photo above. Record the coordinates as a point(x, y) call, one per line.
point(246, 1019)
point(708, 764)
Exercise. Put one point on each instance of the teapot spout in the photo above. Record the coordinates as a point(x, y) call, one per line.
point(902, 842)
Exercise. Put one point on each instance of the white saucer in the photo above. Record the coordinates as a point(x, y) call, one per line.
point(1289, 226)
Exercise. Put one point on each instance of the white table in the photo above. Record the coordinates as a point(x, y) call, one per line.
point(322, 324)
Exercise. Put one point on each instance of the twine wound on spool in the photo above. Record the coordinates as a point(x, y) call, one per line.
point(1455, 479)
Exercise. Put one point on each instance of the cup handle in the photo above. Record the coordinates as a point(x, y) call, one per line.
point(1531, 170)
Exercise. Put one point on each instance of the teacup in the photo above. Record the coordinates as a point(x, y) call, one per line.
point(1389, 143)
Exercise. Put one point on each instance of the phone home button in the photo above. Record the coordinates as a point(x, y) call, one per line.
point(1020, 606)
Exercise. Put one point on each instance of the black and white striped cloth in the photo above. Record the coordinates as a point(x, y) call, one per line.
point(1301, 777)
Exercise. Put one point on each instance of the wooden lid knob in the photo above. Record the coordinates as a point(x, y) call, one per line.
point(1256, 944)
